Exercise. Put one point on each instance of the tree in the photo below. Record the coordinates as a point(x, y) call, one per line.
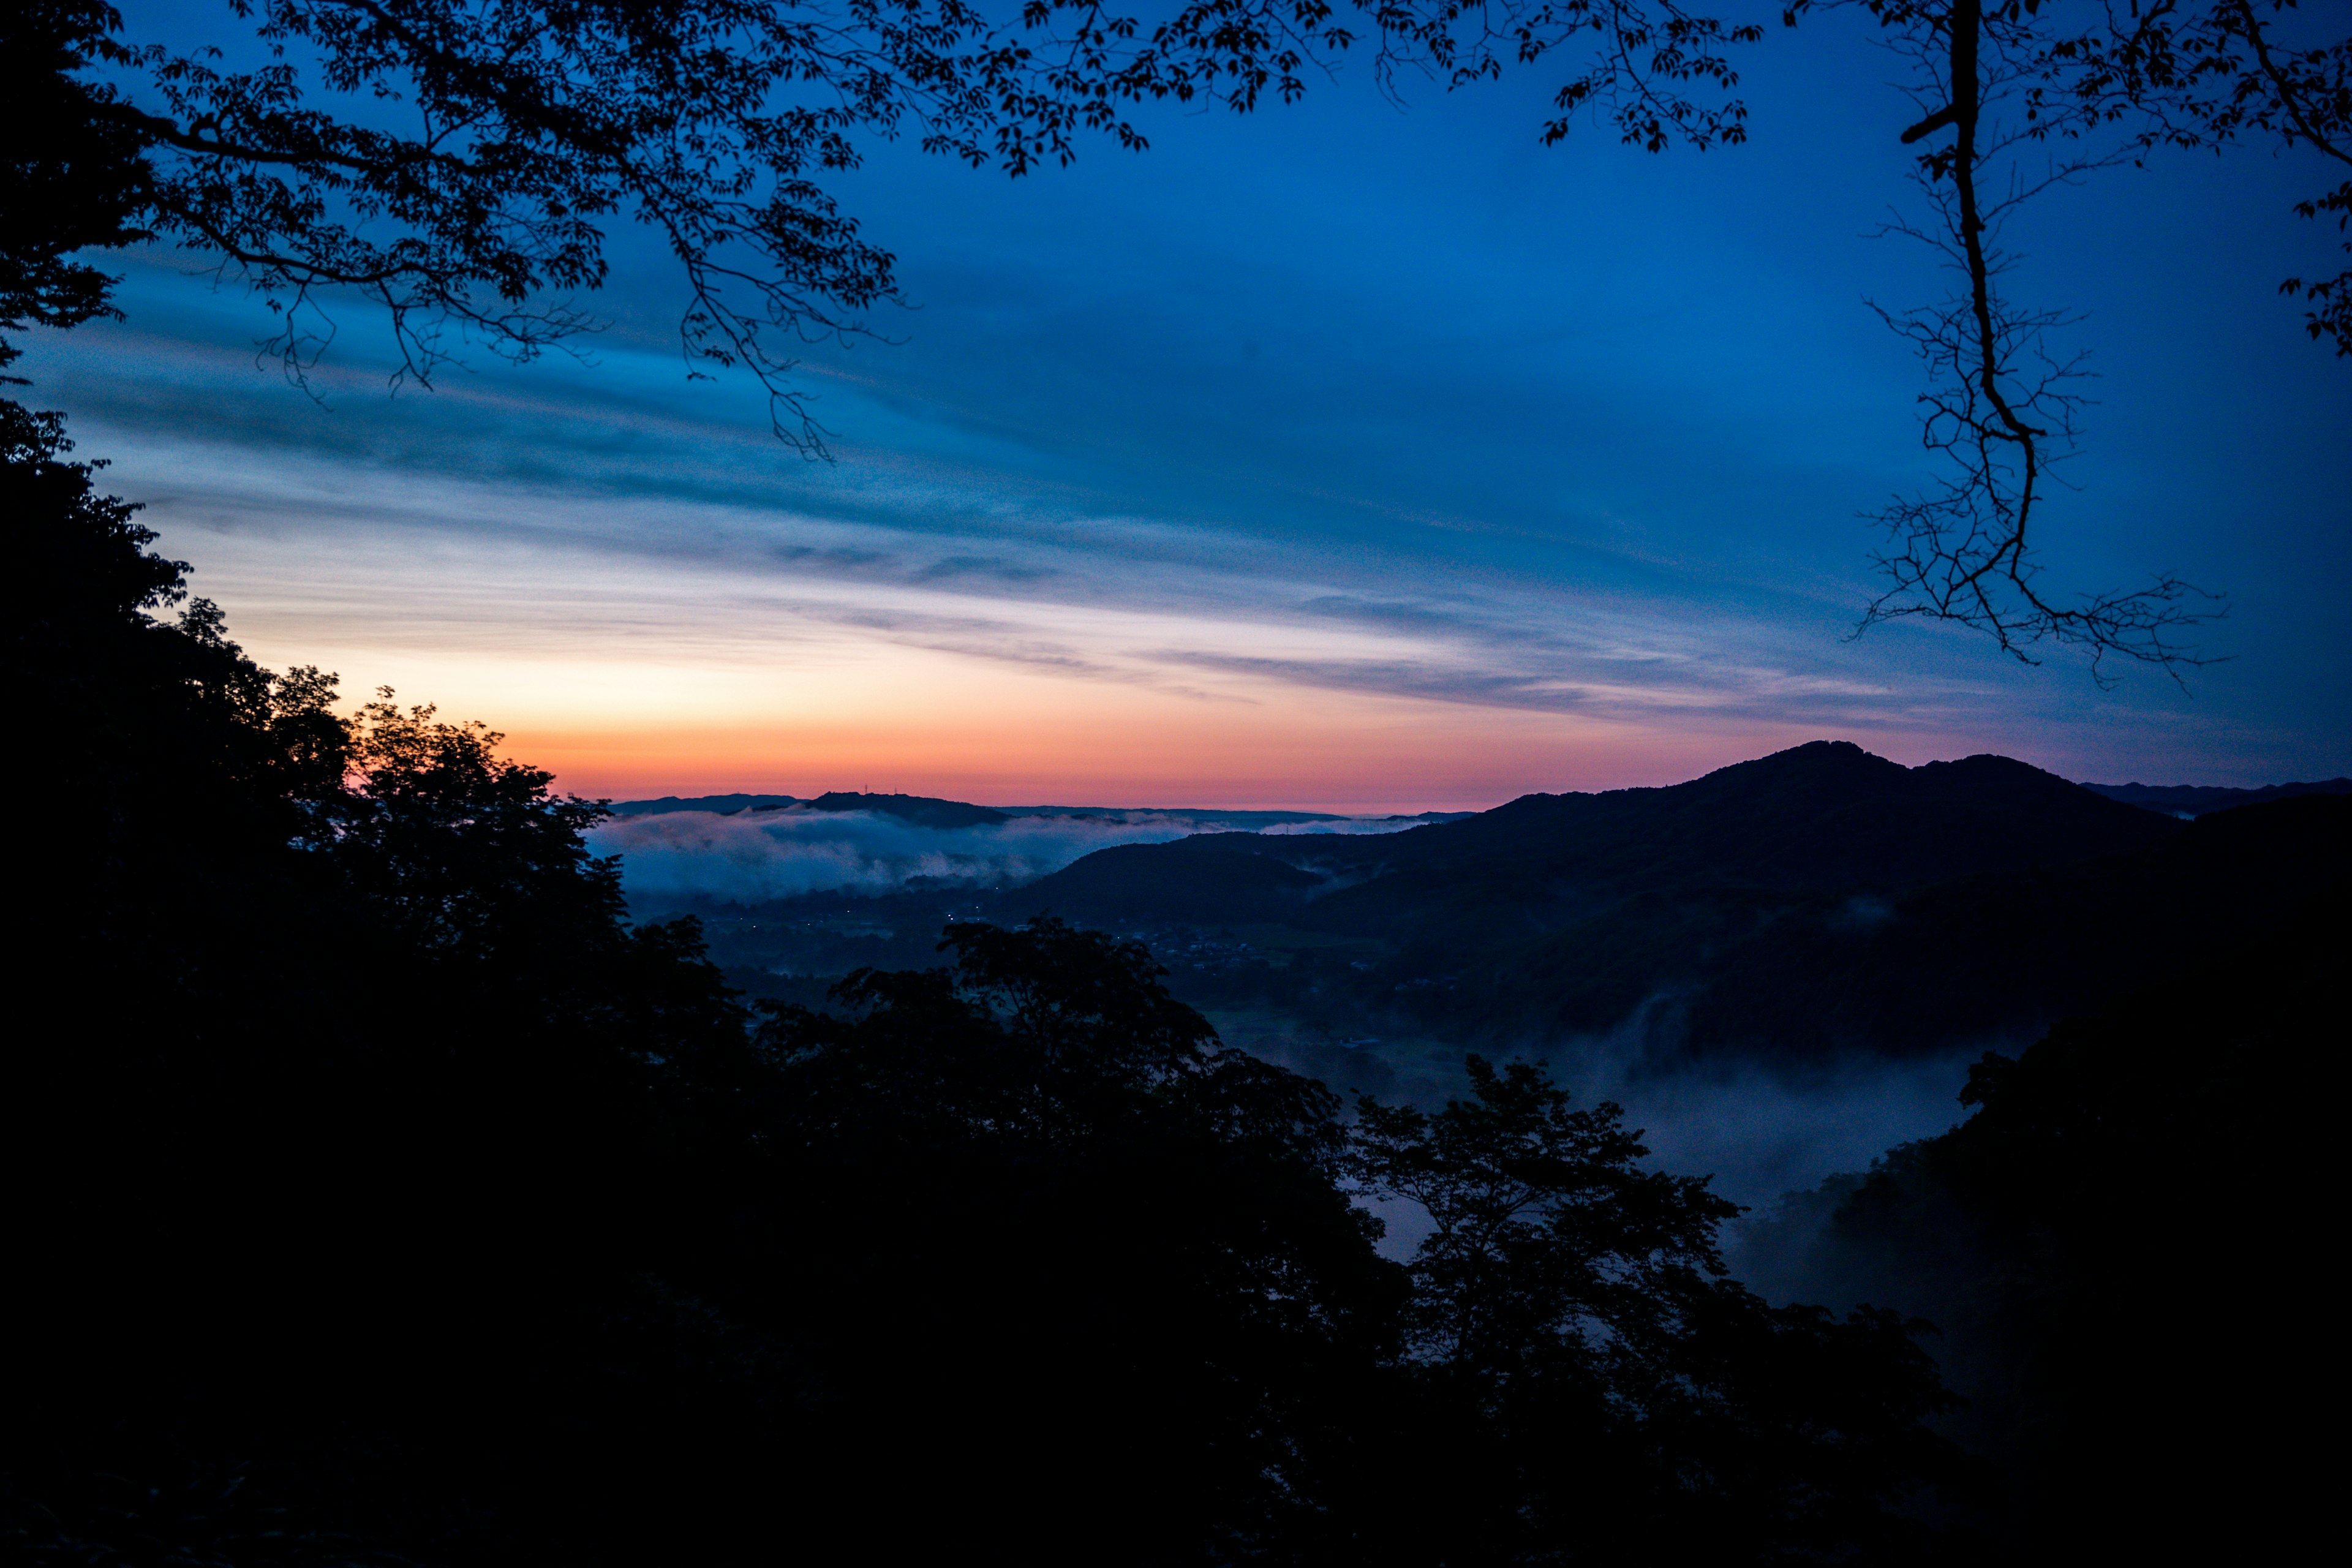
point(2117, 1240)
point(2034, 95)
point(73, 179)
point(1107, 1258)
point(477, 209)
point(2079, 93)
point(458, 162)
point(329, 1130)
point(1595, 1386)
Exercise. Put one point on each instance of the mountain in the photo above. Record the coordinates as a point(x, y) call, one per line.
point(1806, 906)
point(928, 811)
point(2147, 1176)
point(2002, 955)
point(922, 810)
point(1828, 817)
point(725, 804)
point(2195, 800)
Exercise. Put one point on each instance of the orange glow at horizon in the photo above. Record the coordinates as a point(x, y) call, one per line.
point(1340, 758)
point(630, 675)
point(804, 717)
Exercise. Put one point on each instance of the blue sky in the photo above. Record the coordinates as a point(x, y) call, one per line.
point(1341, 455)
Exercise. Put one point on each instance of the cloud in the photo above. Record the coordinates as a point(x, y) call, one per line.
point(981, 566)
point(750, 857)
point(524, 543)
point(1434, 681)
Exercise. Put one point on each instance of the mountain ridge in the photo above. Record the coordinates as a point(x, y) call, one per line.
point(1818, 904)
point(1800, 907)
point(1820, 816)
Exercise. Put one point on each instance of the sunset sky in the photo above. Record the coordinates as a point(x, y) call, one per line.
point(1342, 456)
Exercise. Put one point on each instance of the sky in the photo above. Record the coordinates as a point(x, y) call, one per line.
point(1347, 455)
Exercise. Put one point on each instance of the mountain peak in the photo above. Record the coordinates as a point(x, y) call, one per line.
point(1812, 763)
point(926, 810)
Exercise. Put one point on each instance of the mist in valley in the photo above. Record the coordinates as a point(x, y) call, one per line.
point(800, 897)
point(1835, 1155)
point(761, 854)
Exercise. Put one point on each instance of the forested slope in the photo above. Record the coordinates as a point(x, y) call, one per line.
point(1810, 906)
point(2126, 1247)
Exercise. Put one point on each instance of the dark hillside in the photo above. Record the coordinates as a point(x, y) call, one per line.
point(2123, 1247)
point(1824, 818)
point(1775, 909)
point(2197, 800)
point(1827, 817)
point(1209, 878)
point(1755, 975)
point(1997, 956)
point(921, 809)
point(1810, 906)
point(2003, 954)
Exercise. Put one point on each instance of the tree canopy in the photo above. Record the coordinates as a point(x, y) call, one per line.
point(1589, 1378)
point(2117, 1242)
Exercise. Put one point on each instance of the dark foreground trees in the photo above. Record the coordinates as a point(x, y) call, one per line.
point(2129, 1248)
point(376, 1192)
point(1586, 1385)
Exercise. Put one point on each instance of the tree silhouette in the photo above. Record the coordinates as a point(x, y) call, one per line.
point(379, 1192)
point(73, 178)
point(2115, 1241)
point(1593, 1380)
point(2003, 402)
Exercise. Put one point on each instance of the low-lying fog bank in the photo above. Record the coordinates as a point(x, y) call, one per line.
point(764, 853)
point(1769, 1138)
point(762, 870)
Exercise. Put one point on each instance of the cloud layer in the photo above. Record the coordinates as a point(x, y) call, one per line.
point(749, 856)
point(1330, 457)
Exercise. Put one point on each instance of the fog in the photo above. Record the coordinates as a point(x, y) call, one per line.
point(749, 856)
point(1762, 1133)
point(1764, 1138)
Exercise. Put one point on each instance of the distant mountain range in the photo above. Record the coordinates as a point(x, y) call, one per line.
point(1806, 907)
point(1828, 817)
point(2195, 800)
point(2184, 800)
point(929, 811)
point(916, 808)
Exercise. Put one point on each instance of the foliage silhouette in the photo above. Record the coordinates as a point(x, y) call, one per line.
point(73, 178)
point(2117, 1243)
point(1589, 1380)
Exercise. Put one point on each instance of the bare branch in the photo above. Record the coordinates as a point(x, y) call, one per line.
point(2001, 411)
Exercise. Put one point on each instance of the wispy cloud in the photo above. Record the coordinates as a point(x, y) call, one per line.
point(1562, 525)
point(669, 557)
